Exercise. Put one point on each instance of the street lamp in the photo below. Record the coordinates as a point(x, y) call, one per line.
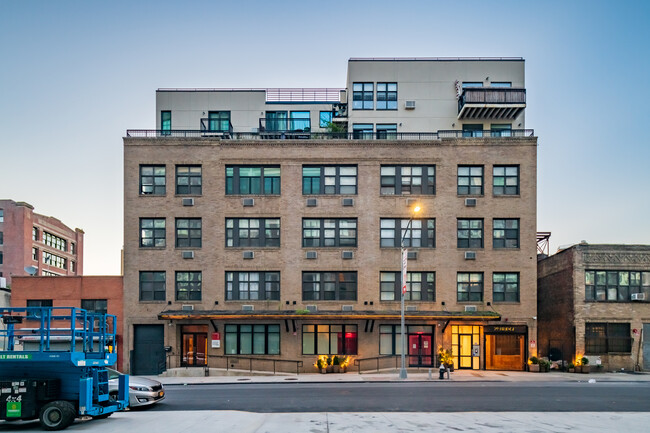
point(404, 258)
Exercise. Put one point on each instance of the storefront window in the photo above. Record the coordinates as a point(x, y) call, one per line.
point(329, 339)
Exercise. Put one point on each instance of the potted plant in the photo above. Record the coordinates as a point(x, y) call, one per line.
point(330, 368)
point(446, 358)
point(544, 366)
point(321, 364)
point(585, 365)
point(344, 364)
point(572, 367)
point(533, 364)
point(336, 364)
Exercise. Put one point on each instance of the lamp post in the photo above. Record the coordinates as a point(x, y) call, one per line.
point(403, 259)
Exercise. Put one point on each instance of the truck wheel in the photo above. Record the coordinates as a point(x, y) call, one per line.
point(57, 415)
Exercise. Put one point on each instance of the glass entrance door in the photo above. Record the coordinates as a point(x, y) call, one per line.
point(465, 351)
point(420, 350)
point(195, 345)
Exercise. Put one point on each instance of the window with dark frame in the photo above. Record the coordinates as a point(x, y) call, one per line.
point(252, 232)
point(386, 131)
point(35, 234)
point(362, 96)
point(2, 239)
point(420, 286)
point(329, 286)
point(153, 232)
point(325, 119)
point(603, 338)
point(152, 180)
point(218, 121)
point(500, 130)
point(505, 233)
point(253, 286)
point(329, 232)
point(152, 286)
point(35, 254)
point(616, 286)
point(165, 122)
point(362, 131)
point(470, 233)
point(505, 180)
point(390, 337)
point(253, 180)
point(386, 96)
point(329, 339)
point(96, 306)
point(2, 215)
point(188, 180)
point(188, 233)
point(469, 287)
point(408, 179)
point(505, 287)
point(188, 285)
point(473, 130)
point(470, 180)
point(39, 303)
point(332, 179)
point(54, 260)
point(421, 233)
point(55, 241)
point(252, 339)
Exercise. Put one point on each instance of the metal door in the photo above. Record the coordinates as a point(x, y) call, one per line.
point(420, 353)
point(148, 349)
point(645, 338)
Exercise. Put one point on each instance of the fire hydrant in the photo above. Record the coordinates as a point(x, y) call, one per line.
point(442, 371)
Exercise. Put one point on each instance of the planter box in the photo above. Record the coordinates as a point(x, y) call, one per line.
point(533, 368)
point(585, 369)
point(336, 368)
point(572, 370)
point(323, 370)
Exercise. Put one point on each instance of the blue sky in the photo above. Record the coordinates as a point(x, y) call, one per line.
point(74, 75)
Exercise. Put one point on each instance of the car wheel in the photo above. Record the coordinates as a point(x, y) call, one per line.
point(57, 415)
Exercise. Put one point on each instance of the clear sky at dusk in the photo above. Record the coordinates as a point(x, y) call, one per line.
point(74, 75)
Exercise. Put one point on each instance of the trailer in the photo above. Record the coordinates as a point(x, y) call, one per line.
point(53, 366)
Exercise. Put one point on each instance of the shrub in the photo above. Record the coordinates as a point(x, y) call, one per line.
point(534, 360)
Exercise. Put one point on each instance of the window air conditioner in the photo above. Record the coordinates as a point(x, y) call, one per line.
point(311, 255)
point(187, 307)
point(312, 202)
point(248, 202)
point(412, 255)
point(188, 254)
point(188, 201)
point(247, 307)
point(409, 105)
point(347, 254)
point(347, 202)
point(411, 308)
point(470, 308)
point(638, 296)
point(347, 307)
point(311, 308)
point(470, 255)
point(249, 255)
point(470, 202)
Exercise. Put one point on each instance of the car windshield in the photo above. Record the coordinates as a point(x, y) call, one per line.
point(113, 374)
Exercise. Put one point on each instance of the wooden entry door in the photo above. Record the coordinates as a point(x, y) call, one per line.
point(195, 345)
point(505, 352)
point(420, 350)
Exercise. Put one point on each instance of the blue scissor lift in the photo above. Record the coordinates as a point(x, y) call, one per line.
point(53, 365)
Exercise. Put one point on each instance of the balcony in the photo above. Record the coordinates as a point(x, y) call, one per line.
point(283, 128)
point(216, 127)
point(491, 103)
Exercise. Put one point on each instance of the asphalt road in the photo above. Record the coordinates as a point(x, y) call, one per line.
point(410, 397)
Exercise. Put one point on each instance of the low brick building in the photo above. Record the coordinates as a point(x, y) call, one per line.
point(593, 300)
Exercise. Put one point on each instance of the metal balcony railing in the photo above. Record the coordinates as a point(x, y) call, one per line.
point(216, 126)
point(285, 125)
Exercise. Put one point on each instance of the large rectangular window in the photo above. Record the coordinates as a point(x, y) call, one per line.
point(188, 286)
point(329, 232)
point(408, 179)
point(329, 286)
point(390, 338)
point(39, 303)
point(152, 180)
point(254, 286)
point(470, 180)
point(421, 233)
point(253, 180)
point(505, 233)
point(329, 339)
point(253, 232)
point(188, 232)
point(152, 232)
point(219, 121)
point(35, 234)
point(501, 130)
point(603, 338)
point(469, 286)
point(188, 180)
point(470, 233)
point(386, 131)
point(97, 306)
point(325, 119)
point(362, 131)
point(2, 215)
point(299, 121)
point(505, 179)
point(276, 121)
point(420, 286)
point(617, 286)
point(152, 286)
point(165, 122)
point(54, 241)
point(252, 339)
point(362, 96)
point(331, 179)
point(54, 260)
point(473, 130)
point(386, 96)
point(505, 287)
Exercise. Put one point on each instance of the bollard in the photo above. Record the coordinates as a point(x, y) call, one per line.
point(429, 374)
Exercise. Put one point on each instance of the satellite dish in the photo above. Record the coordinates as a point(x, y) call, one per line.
point(31, 270)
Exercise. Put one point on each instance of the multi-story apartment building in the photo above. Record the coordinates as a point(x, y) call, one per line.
point(37, 242)
point(594, 302)
point(268, 223)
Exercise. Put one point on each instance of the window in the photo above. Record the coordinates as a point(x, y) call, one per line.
point(325, 119)
point(601, 338)
point(505, 179)
point(1, 257)
point(152, 286)
point(467, 84)
point(386, 131)
point(39, 303)
point(2, 215)
point(247, 180)
point(329, 286)
point(73, 248)
point(188, 286)
point(501, 130)
point(165, 122)
point(469, 286)
point(329, 232)
point(188, 232)
point(54, 260)
point(54, 241)
point(49, 274)
point(219, 121)
point(362, 131)
point(505, 287)
point(470, 233)
point(329, 339)
point(276, 121)
point(35, 254)
point(505, 233)
point(188, 179)
point(386, 96)
point(73, 267)
point(35, 234)
point(362, 96)
point(332, 179)
point(97, 306)
point(613, 286)
point(408, 179)
point(470, 180)
point(420, 234)
point(152, 180)
point(299, 121)
point(254, 286)
point(253, 232)
point(252, 339)
point(390, 338)
point(152, 232)
point(420, 286)
point(473, 130)
point(501, 84)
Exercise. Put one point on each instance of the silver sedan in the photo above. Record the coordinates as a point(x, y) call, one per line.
point(142, 391)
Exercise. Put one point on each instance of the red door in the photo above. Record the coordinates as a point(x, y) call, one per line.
point(420, 350)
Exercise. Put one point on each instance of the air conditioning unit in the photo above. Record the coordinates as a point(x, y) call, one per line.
point(470, 202)
point(247, 307)
point(249, 255)
point(411, 308)
point(470, 308)
point(347, 202)
point(638, 296)
point(188, 254)
point(311, 255)
point(312, 202)
point(412, 255)
point(188, 201)
point(311, 308)
point(347, 255)
point(247, 202)
point(3, 283)
point(347, 307)
point(470, 255)
point(187, 307)
point(409, 105)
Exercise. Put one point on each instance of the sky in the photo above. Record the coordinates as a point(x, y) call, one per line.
point(75, 75)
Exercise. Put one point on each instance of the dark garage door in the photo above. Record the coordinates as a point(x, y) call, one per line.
point(148, 349)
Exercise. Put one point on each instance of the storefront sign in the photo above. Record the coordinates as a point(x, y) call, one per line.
point(505, 329)
point(216, 340)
